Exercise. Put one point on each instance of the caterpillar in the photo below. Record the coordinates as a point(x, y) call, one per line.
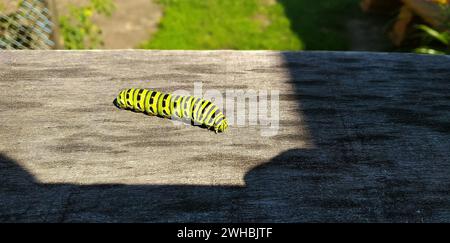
point(198, 111)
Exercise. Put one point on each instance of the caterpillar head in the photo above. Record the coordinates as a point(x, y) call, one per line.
point(119, 101)
point(221, 126)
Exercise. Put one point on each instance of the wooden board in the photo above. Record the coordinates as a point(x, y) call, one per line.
point(362, 137)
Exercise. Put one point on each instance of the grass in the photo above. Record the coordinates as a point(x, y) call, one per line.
point(253, 24)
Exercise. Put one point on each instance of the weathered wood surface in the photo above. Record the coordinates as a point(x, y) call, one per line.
point(363, 137)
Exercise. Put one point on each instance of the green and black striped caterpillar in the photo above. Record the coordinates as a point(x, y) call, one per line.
point(197, 110)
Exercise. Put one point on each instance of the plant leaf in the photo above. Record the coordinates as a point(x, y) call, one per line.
point(440, 36)
point(425, 50)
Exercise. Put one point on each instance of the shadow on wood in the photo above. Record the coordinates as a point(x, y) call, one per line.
point(380, 136)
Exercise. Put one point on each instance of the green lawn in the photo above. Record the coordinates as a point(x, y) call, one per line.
point(253, 24)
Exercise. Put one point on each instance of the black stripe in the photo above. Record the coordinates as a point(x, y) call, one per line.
point(152, 100)
point(139, 95)
point(164, 100)
point(199, 106)
point(174, 101)
point(145, 98)
point(187, 107)
point(152, 97)
point(195, 100)
point(132, 97)
point(138, 98)
point(200, 110)
point(175, 106)
point(218, 121)
point(193, 107)
point(159, 101)
point(186, 104)
point(209, 112)
point(127, 97)
point(212, 117)
point(130, 94)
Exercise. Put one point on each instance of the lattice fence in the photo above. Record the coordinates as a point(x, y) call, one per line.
point(29, 27)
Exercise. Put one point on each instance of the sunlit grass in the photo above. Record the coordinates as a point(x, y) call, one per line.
point(218, 24)
point(251, 24)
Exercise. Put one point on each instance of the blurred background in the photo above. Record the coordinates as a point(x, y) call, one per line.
point(420, 26)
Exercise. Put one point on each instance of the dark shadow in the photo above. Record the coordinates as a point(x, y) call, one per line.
point(380, 124)
point(381, 128)
point(272, 194)
point(337, 25)
point(321, 25)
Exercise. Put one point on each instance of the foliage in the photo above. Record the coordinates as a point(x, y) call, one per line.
point(431, 35)
point(77, 28)
point(435, 41)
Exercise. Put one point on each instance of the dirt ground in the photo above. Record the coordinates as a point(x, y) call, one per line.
point(132, 23)
point(7, 6)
